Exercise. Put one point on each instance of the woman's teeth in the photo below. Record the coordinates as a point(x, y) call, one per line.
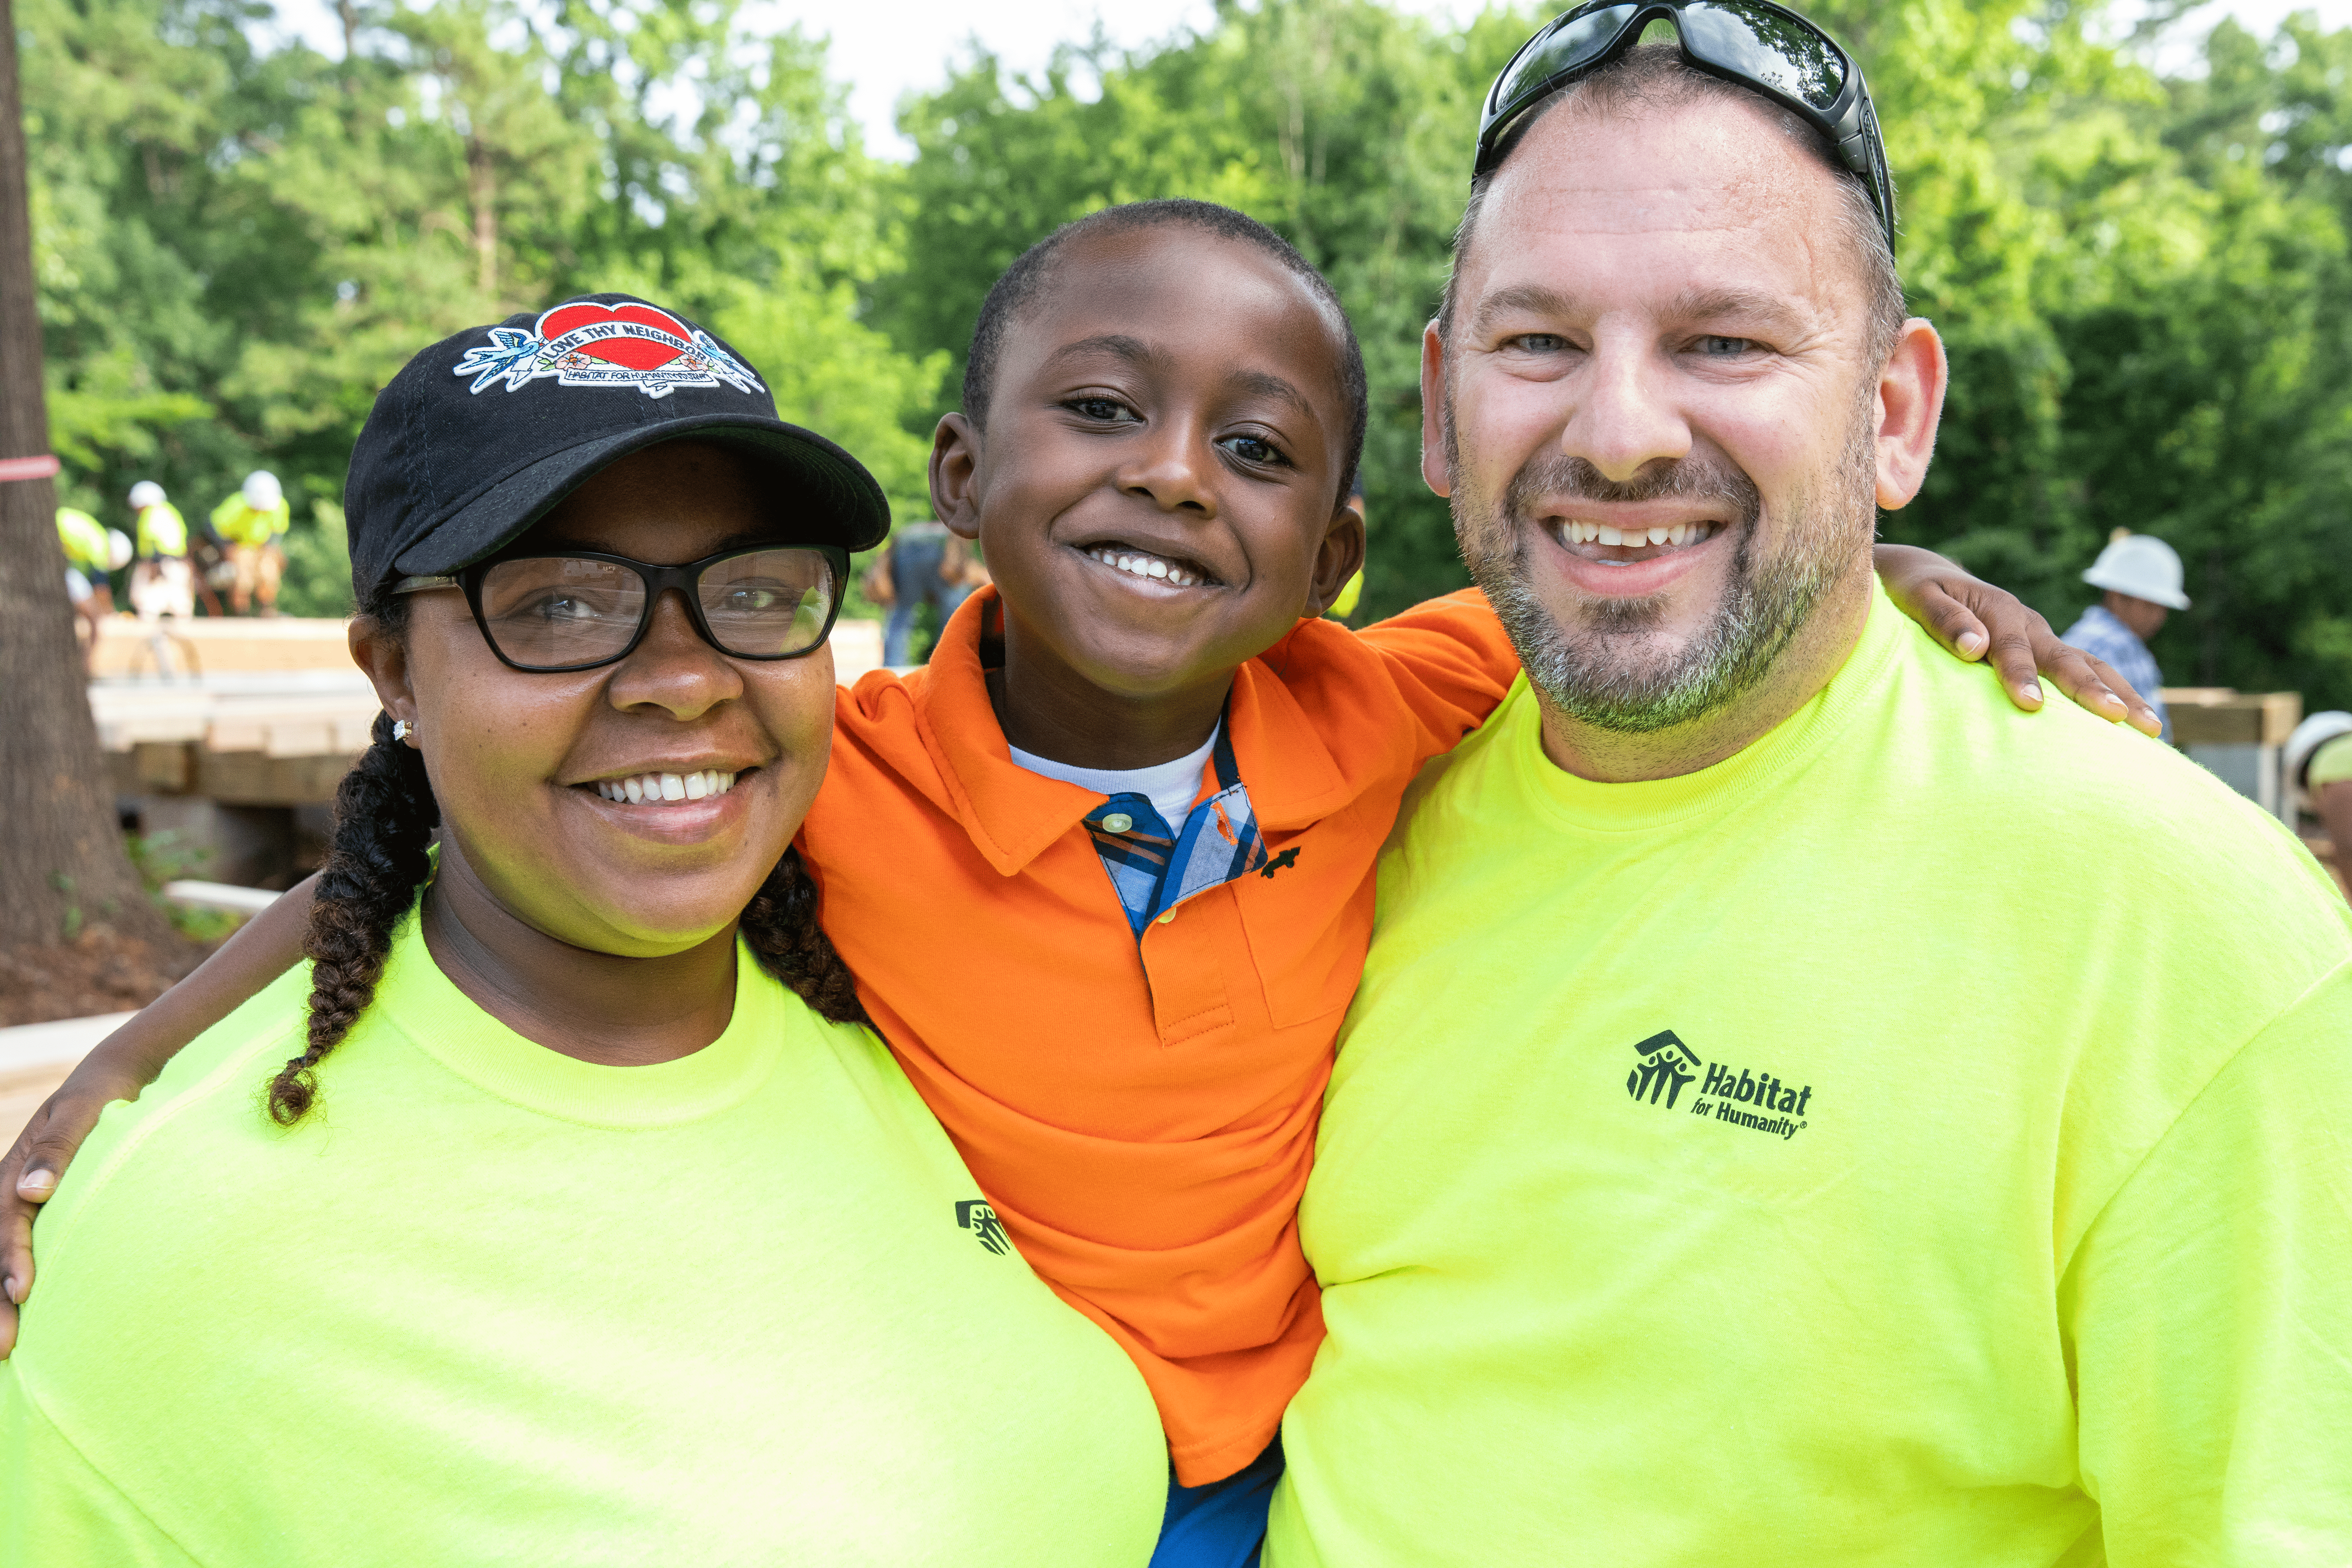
point(661, 789)
point(1147, 566)
point(1636, 539)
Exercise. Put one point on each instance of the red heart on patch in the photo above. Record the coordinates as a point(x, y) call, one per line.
point(636, 353)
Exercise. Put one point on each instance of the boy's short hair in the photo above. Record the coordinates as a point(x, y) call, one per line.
point(1034, 268)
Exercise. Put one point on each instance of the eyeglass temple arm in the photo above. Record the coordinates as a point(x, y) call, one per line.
point(419, 584)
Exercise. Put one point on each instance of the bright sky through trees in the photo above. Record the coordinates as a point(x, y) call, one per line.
point(885, 51)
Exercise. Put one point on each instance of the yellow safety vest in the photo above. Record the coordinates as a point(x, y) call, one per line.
point(238, 523)
point(85, 539)
point(162, 531)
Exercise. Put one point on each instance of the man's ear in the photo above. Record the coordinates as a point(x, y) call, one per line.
point(1433, 411)
point(955, 475)
point(384, 658)
point(1910, 403)
point(1340, 557)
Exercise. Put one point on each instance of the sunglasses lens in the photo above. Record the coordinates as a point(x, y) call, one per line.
point(768, 603)
point(1767, 45)
point(1575, 43)
point(550, 612)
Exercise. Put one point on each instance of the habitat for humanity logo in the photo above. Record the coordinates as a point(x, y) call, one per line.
point(1740, 1095)
point(980, 1219)
point(585, 344)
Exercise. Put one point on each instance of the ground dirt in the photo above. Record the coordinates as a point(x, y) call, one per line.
point(100, 970)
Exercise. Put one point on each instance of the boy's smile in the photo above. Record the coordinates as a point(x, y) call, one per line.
point(1155, 487)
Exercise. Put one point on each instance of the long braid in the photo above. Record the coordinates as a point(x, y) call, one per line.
point(384, 817)
point(780, 927)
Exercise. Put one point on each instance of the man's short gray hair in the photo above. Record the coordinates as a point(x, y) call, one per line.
point(1656, 77)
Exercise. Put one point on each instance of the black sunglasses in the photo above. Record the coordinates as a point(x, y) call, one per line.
point(553, 613)
point(1764, 47)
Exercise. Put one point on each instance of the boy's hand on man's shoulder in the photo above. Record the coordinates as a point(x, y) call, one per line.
point(1976, 620)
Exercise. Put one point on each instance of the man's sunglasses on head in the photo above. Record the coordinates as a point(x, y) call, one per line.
point(1764, 47)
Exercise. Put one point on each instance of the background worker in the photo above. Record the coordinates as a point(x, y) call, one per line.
point(250, 523)
point(90, 554)
point(2319, 770)
point(162, 583)
point(2142, 576)
point(916, 568)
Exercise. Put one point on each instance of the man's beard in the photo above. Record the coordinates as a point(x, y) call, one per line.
point(1612, 675)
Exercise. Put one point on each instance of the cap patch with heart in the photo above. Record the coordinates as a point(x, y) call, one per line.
point(585, 344)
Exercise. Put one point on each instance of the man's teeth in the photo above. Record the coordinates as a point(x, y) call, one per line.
point(660, 789)
point(1147, 566)
point(1636, 539)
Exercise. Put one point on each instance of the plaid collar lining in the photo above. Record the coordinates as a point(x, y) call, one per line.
point(1154, 869)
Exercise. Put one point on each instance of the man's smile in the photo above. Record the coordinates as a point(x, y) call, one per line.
point(1637, 551)
point(1615, 546)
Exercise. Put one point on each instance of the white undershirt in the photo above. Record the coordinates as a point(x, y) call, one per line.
point(1168, 786)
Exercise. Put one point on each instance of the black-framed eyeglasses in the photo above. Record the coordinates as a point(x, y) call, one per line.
point(1765, 48)
point(578, 610)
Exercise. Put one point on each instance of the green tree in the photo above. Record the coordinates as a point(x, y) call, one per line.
point(2139, 280)
point(235, 249)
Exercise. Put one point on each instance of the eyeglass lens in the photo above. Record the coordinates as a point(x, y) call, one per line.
point(550, 612)
point(1766, 46)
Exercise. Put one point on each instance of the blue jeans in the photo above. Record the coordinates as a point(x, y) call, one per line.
point(915, 577)
point(1221, 1524)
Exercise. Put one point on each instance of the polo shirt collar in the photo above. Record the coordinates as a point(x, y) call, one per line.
point(1013, 815)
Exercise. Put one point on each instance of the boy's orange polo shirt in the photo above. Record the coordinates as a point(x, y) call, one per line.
point(1143, 1119)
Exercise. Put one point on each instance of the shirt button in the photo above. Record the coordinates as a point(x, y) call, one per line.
point(1118, 821)
point(1166, 917)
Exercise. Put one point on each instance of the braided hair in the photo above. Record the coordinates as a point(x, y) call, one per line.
point(385, 815)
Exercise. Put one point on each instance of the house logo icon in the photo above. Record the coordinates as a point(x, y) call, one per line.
point(979, 1218)
point(1667, 1067)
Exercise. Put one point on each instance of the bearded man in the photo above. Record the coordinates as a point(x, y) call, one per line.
point(1798, 1110)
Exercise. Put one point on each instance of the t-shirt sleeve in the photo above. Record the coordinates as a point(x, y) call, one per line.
point(55, 1506)
point(2209, 1312)
point(1452, 663)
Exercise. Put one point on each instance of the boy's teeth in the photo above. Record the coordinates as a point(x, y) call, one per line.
point(660, 789)
point(1147, 566)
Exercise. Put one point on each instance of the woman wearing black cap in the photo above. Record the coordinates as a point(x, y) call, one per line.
point(596, 576)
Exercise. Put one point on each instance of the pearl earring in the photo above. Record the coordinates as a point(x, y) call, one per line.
point(402, 729)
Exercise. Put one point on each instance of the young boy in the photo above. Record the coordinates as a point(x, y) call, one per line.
point(1104, 869)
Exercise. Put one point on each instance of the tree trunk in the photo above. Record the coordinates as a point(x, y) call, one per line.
point(483, 182)
point(62, 862)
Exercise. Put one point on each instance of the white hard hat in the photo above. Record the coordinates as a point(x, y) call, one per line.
point(2142, 566)
point(261, 492)
point(2309, 736)
point(146, 493)
point(118, 550)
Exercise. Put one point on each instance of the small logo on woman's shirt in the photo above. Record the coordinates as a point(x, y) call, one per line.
point(976, 1217)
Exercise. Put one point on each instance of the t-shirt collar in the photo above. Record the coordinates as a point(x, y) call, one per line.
point(1647, 803)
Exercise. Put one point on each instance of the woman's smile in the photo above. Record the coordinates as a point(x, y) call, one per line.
point(680, 807)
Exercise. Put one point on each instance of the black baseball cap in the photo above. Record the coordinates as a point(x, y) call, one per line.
point(482, 434)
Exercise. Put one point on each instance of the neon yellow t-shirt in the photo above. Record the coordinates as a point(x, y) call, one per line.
point(2331, 763)
point(494, 1304)
point(162, 531)
point(84, 538)
point(1921, 1139)
point(238, 523)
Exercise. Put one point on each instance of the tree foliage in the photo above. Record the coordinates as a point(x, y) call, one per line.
point(2145, 283)
point(235, 249)
point(2142, 282)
